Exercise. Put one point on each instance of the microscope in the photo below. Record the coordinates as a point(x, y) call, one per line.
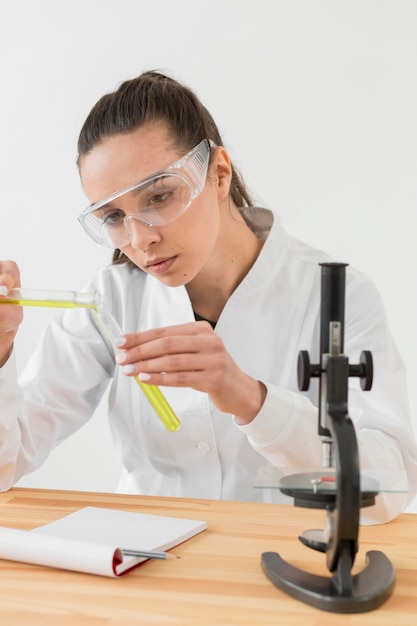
point(337, 487)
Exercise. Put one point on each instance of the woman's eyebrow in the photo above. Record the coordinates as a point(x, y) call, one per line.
point(137, 189)
point(148, 182)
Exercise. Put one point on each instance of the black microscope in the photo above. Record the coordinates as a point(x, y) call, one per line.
point(337, 487)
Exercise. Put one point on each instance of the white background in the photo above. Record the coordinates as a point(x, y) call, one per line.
point(317, 103)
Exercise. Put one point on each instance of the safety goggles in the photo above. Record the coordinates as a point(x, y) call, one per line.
point(154, 201)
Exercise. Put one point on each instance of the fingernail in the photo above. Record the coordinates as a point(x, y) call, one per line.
point(121, 357)
point(144, 377)
point(128, 369)
point(3, 290)
point(120, 341)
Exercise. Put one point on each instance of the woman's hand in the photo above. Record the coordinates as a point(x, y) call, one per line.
point(192, 355)
point(10, 316)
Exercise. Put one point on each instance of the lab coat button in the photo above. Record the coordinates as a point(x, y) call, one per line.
point(203, 447)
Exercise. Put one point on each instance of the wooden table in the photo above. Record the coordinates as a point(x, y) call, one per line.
point(218, 580)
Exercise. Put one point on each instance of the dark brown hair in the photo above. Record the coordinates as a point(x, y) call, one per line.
point(155, 97)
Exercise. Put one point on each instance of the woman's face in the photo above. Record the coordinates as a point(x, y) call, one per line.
point(176, 252)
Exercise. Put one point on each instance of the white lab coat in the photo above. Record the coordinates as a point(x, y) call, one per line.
point(272, 315)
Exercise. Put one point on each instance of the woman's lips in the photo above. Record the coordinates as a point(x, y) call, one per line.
point(160, 266)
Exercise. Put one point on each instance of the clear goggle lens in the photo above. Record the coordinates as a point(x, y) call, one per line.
point(154, 201)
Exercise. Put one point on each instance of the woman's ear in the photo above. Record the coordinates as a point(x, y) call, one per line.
point(221, 172)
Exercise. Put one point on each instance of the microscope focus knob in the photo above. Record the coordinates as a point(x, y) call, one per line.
point(305, 370)
point(364, 371)
point(368, 370)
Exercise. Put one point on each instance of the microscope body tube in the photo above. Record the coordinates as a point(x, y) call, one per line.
point(332, 303)
point(332, 311)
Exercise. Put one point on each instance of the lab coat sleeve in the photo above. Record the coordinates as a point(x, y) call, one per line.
point(57, 393)
point(285, 430)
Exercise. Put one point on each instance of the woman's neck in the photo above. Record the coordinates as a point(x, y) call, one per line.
point(236, 252)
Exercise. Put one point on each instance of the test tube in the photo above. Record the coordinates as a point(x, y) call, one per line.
point(48, 298)
point(111, 328)
point(107, 323)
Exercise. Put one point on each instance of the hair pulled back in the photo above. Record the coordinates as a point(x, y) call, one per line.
point(155, 97)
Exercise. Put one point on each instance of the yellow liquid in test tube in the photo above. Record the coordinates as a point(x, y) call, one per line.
point(32, 298)
point(73, 299)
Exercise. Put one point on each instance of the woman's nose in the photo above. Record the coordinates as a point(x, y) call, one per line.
point(142, 234)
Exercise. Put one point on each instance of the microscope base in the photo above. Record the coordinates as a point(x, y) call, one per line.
point(340, 593)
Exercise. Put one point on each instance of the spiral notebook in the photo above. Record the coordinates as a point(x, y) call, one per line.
point(96, 540)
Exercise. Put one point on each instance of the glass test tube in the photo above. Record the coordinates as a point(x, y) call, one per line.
point(48, 298)
point(107, 323)
point(111, 328)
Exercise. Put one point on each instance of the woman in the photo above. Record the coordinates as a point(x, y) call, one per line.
point(216, 301)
